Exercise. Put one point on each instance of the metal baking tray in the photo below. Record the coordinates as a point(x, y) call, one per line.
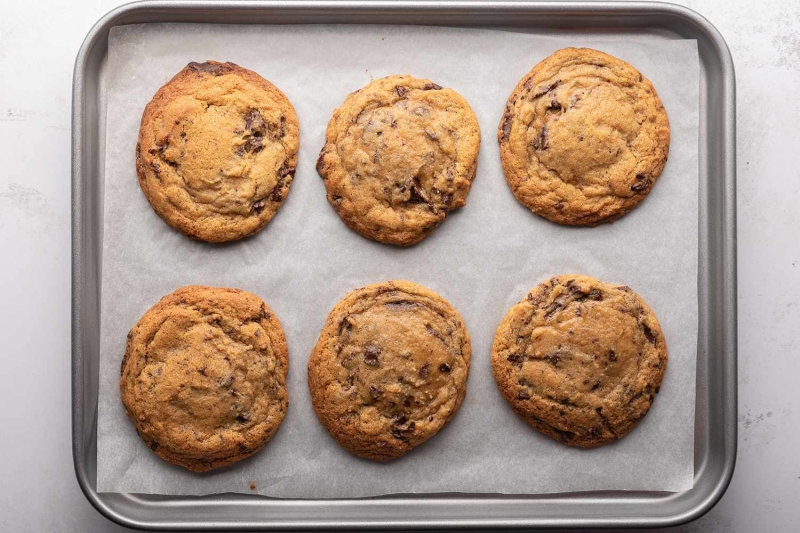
point(715, 416)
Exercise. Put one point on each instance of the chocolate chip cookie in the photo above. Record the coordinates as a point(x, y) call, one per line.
point(580, 360)
point(217, 151)
point(389, 369)
point(400, 154)
point(204, 376)
point(584, 138)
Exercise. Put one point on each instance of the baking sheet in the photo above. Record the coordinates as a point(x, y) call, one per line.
point(483, 259)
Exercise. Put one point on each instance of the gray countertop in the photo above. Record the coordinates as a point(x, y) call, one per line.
point(38, 44)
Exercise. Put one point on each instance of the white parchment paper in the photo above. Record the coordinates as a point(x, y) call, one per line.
point(482, 259)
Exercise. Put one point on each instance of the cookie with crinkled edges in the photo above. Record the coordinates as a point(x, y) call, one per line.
point(204, 376)
point(580, 360)
point(389, 369)
point(217, 151)
point(583, 138)
point(399, 155)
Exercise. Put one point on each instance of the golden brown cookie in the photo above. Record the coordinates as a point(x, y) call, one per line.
point(217, 151)
point(389, 369)
point(580, 360)
point(204, 376)
point(584, 138)
point(399, 155)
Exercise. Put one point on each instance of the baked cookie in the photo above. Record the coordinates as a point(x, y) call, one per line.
point(584, 138)
point(204, 376)
point(389, 369)
point(217, 151)
point(580, 360)
point(399, 155)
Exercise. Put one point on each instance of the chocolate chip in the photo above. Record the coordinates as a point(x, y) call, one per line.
point(424, 370)
point(277, 192)
point(431, 86)
point(321, 162)
point(649, 333)
point(514, 358)
point(433, 332)
point(596, 385)
point(507, 118)
point(202, 371)
point(208, 68)
point(612, 356)
point(253, 121)
point(641, 183)
point(253, 145)
point(554, 359)
point(444, 367)
point(522, 395)
point(337, 201)
point(400, 90)
point(154, 445)
point(375, 392)
point(258, 206)
point(371, 355)
point(545, 90)
point(555, 105)
point(540, 142)
point(595, 432)
point(625, 288)
point(595, 295)
point(580, 138)
point(418, 194)
point(400, 420)
point(155, 166)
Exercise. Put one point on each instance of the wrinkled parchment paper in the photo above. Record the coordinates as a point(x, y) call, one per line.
point(482, 259)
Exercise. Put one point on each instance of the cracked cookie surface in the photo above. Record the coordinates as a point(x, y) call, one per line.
point(217, 151)
point(583, 138)
point(399, 155)
point(389, 369)
point(204, 376)
point(580, 360)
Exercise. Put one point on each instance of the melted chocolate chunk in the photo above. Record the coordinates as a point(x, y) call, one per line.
point(507, 118)
point(424, 370)
point(207, 68)
point(641, 183)
point(371, 356)
point(649, 333)
point(595, 295)
point(514, 358)
point(544, 90)
point(258, 206)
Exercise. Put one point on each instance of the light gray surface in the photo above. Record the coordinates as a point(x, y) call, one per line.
point(37, 47)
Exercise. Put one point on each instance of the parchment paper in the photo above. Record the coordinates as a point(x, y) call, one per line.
point(483, 259)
